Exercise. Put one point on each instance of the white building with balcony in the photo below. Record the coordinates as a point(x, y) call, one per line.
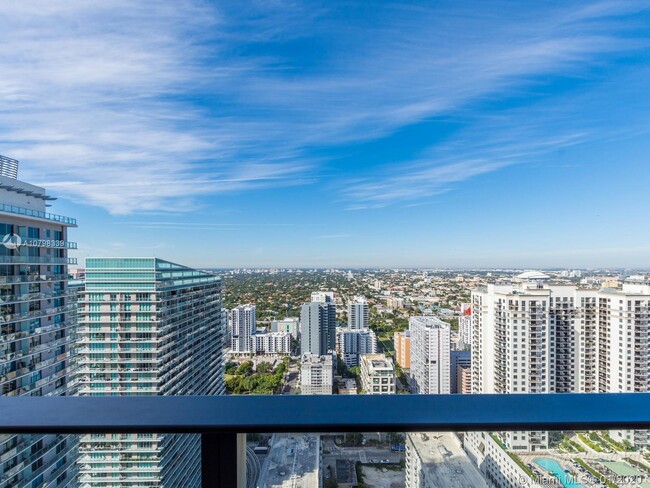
point(537, 337)
point(358, 313)
point(272, 343)
point(38, 326)
point(242, 324)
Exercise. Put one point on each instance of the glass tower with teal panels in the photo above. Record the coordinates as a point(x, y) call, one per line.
point(147, 327)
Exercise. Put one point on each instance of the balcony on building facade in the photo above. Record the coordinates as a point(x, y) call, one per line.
point(11, 209)
point(36, 260)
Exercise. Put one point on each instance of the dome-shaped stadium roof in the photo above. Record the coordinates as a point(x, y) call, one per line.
point(533, 275)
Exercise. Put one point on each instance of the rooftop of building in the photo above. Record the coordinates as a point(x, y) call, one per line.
point(444, 461)
point(293, 462)
point(430, 321)
point(105, 272)
point(309, 358)
point(377, 361)
point(359, 300)
point(348, 383)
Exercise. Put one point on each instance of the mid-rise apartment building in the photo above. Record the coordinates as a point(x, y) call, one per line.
point(352, 343)
point(316, 374)
point(378, 374)
point(38, 327)
point(242, 323)
point(147, 327)
point(358, 313)
point(402, 341)
point(395, 302)
point(290, 325)
point(430, 355)
point(272, 343)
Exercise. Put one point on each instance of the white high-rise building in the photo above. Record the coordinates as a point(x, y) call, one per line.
point(465, 326)
point(242, 325)
point(536, 337)
point(38, 328)
point(351, 343)
point(430, 355)
point(358, 313)
point(316, 374)
point(511, 352)
point(623, 347)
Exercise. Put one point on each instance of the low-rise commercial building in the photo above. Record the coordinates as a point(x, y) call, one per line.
point(294, 460)
point(347, 386)
point(435, 459)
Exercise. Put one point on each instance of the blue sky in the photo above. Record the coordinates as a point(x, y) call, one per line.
point(291, 133)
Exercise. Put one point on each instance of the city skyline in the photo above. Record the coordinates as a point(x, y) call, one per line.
point(299, 134)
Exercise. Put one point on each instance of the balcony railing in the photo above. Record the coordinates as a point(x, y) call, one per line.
point(36, 260)
point(39, 215)
point(220, 419)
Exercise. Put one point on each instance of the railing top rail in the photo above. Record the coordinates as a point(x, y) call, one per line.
point(38, 214)
point(336, 413)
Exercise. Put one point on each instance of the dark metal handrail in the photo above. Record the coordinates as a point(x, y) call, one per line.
point(219, 419)
point(335, 413)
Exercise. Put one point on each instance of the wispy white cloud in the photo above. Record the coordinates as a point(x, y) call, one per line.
point(101, 104)
point(490, 146)
point(138, 107)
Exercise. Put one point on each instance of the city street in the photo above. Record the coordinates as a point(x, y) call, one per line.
point(366, 455)
point(293, 376)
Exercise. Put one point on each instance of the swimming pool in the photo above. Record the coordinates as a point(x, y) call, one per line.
point(554, 467)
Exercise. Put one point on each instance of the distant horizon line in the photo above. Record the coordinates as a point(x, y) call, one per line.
point(411, 268)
